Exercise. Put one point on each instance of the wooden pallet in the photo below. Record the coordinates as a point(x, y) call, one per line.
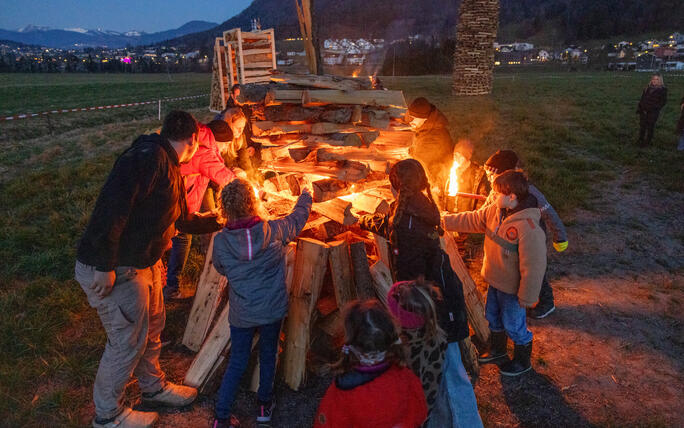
point(252, 56)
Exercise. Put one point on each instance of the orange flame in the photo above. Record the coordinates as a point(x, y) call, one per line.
point(355, 73)
point(452, 188)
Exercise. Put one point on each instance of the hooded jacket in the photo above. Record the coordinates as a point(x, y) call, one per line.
point(139, 208)
point(416, 251)
point(392, 398)
point(432, 145)
point(207, 165)
point(514, 248)
point(253, 260)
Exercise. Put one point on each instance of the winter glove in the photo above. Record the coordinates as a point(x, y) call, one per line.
point(560, 246)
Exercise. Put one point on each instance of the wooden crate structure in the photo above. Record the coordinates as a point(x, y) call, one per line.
point(241, 57)
point(253, 55)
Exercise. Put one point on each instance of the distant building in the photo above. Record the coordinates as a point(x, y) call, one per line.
point(647, 62)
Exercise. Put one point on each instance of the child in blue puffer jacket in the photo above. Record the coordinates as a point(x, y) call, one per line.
point(250, 252)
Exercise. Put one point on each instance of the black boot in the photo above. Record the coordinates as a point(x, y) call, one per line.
point(520, 362)
point(497, 348)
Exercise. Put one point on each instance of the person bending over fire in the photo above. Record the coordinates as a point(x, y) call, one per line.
point(432, 143)
point(242, 152)
point(471, 177)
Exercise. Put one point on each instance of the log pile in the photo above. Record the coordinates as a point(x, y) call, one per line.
point(339, 138)
point(474, 54)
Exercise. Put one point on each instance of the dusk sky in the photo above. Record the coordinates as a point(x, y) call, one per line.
point(119, 15)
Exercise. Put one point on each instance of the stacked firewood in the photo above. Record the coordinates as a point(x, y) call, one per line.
point(474, 54)
point(340, 138)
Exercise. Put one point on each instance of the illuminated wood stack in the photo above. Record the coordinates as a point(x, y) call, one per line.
point(241, 57)
point(474, 54)
point(340, 138)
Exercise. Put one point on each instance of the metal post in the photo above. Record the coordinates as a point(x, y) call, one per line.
point(159, 111)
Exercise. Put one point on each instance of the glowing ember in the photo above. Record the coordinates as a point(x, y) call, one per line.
point(256, 191)
point(452, 188)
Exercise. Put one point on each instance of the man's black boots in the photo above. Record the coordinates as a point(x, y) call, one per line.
point(520, 362)
point(497, 348)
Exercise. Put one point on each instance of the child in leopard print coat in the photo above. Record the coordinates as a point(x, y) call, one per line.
point(413, 305)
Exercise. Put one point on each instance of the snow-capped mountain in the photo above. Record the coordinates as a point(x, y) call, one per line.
point(78, 37)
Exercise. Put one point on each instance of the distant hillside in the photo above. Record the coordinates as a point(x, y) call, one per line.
point(79, 37)
point(561, 21)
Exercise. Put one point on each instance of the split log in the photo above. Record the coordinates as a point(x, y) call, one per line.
point(332, 325)
point(324, 190)
point(337, 115)
point(473, 298)
point(382, 279)
point(309, 270)
point(217, 341)
point(362, 276)
point(326, 82)
point(378, 119)
point(280, 96)
point(326, 154)
point(383, 248)
point(252, 94)
point(298, 154)
point(288, 112)
point(341, 273)
point(329, 229)
point(346, 171)
point(336, 209)
point(209, 290)
point(334, 128)
point(368, 203)
point(265, 127)
point(390, 99)
point(290, 255)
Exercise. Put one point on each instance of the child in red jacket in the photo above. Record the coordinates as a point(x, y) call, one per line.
point(374, 387)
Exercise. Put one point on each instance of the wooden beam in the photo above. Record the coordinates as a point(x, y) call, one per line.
point(217, 341)
point(341, 273)
point(383, 248)
point(473, 298)
point(368, 203)
point(322, 82)
point(382, 279)
point(207, 297)
point(335, 209)
point(263, 128)
point(362, 276)
point(309, 270)
point(346, 171)
point(393, 99)
point(334, 128)
point(279, 96)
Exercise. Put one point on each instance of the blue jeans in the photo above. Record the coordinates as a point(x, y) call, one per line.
point(456, 405)
point(503, 312)
point(179, 255)
point(241, 348)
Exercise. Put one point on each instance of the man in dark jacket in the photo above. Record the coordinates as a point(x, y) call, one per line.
point(432, 144)
point(652, 100)
point(118, 267)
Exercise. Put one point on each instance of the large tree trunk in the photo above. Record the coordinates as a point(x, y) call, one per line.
point(474, 55)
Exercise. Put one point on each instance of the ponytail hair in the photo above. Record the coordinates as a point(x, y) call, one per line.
point(408, 178)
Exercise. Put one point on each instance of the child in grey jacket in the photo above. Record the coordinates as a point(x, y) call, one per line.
point(250, 252)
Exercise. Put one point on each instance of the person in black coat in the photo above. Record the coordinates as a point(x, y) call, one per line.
point(652, 100)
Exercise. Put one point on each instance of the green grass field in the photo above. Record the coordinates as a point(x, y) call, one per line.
point(575, 132)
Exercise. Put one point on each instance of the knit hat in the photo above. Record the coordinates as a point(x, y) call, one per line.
point(501, 161)
point(221, 130)
point(407, 319)
point(420, 108)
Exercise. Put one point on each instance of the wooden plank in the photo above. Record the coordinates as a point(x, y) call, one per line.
point(362, 276)
point(274, 61)
point(392, 99)
point(262, 65)
point(251, 52)
point(209, 290)
point(216, 343)
point(335, 128)
point(279, 96)
point(382, 279)
point(348, 171)
point(473, 298)
point(260, 79)
point(265, 127)
point(368, 203)
point(336, 209)
point(263, 72)
point(383, 248)
point(309, 270)
point(341, 272)
point(323, 82)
